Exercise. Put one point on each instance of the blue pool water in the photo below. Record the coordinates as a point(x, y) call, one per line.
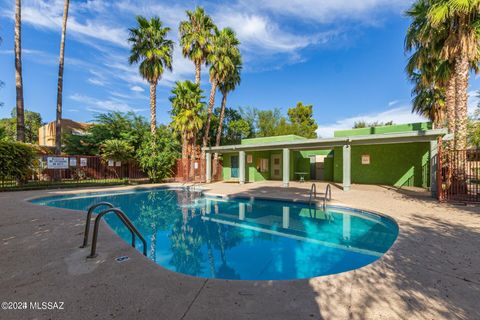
point(241, 238)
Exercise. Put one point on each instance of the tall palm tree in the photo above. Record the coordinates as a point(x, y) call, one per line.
point(228, 85)
point(153, 51)
point(222, 62)
point(18, 72)
point(58, 123)
point(461, 19)
point(196, 36)
point(187, 106)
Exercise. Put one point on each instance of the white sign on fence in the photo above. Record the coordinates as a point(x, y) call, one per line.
point(73, 162)
point(57, 163)
point(83, 162)
point(118, 163)
point(111, 163)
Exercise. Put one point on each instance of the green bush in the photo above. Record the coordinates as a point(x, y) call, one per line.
point(157, 155)
point(16, 160)
point(117, 150)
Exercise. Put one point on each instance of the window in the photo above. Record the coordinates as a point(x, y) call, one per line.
point(262, 165)
point(276, 161)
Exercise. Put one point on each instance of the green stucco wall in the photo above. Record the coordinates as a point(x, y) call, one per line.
point(399, 165)
point(384, 129)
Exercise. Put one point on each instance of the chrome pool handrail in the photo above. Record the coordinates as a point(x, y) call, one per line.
point(126, 221)
point(89, 217)
point(328, 192)
point(313, 190)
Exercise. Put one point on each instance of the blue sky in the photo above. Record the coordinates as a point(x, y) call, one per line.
point(344, 57)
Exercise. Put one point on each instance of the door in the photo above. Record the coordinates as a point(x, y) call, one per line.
point(234, 167)
point(276, 172)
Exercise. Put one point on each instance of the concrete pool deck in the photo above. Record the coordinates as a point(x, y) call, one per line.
point(431, 272)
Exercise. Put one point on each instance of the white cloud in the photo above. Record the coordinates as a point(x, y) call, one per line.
point(96, 81)
point(393, 102)
point(98, 105)
point(329, 11)
point(259, 32)
point(137, 89)
point(398, 115)
point(48, 15)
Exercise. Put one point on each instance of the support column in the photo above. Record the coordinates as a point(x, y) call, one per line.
point(433, 167)
point(347, 153)
point(241, 165)
point(208, 158)
point(286, 167)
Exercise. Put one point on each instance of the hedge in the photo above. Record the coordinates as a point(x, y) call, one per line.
point(16, 160)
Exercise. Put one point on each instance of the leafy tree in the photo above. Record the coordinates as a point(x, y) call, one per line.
point(196, 35)
point(237, 130)
point(302, 122)
point(117, 150)
point(153, 51)
point(158, 154)
point(32, 122)
point(267, 122)
point(187, 106)
point(16, 160)
point(114, 125)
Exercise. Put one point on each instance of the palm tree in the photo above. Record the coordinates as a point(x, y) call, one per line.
point(153, 51)
point(461, 19)
point(187, 107)
point(58, 123)
point(196, 36)
point(430, 102)
point(222, 62)
point(428, 67)
point(229, 84)
point(18, 72)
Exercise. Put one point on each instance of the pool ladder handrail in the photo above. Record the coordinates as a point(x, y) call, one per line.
point(328, 193)
point(313, 191)
point(121, 215)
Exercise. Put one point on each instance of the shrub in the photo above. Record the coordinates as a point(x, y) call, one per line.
point(16, 160)
point(157, 155)
point(117, 150)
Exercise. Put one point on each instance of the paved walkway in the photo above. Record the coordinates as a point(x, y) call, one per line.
point(431, 272)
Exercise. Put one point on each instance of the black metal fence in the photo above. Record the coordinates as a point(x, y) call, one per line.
point(76, 170)
point(459, 176)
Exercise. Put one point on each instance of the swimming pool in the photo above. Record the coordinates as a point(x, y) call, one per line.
point(243, 239)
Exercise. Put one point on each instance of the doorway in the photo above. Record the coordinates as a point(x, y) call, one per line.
point(276, 172)
point(234, 173)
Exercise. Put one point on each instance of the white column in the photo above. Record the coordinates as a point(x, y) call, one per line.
point(286, 217)
point(347, 152)
point(208, 158)
point(286, 167)
point(241, 165)
point(433, 167)
point(241, 211)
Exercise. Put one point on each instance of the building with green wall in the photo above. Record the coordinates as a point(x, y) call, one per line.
point(396, 155)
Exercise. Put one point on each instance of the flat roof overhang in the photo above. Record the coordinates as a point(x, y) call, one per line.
point(314, 144)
